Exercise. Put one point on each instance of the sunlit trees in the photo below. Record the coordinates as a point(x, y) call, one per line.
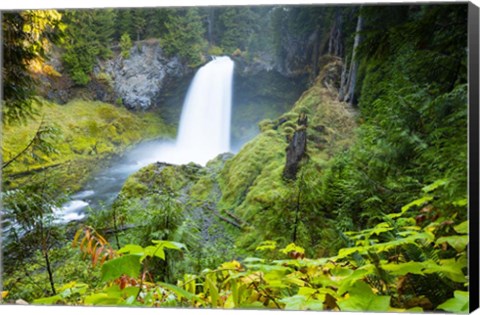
point(26, 37)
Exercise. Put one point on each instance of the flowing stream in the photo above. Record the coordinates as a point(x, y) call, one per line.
point(204, 132)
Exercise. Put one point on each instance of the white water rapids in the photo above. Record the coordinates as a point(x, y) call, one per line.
point(203, 133)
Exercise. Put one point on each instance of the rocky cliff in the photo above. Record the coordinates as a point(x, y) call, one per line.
point(140, 80)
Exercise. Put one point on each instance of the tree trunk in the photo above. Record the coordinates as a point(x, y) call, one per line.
point(115, 227)
point(296, 149)
point(352, 78)
point(210, 21)
point(343, 81)
point(297, 214)
point(49, 270)
point(335, 39)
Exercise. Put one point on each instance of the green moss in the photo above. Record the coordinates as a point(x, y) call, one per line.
point(84, 129)
point(242, 170)
point(251, 182)
point(160, 178)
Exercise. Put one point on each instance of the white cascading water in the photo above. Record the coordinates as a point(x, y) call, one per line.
point(204, 132)
point(204, 129)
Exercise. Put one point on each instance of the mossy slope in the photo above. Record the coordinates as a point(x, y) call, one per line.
point(251, 182)
point(84, 132)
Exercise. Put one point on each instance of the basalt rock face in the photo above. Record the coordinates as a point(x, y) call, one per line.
point(140, 80)
point(143, 80)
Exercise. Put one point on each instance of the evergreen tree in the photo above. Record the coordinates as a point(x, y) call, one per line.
point(138, 23)
point(104, 26)
point(25, 38)
point(123, 23)
point(184, 36)
point(125, 45)
point(89, 36)
point(237, 26)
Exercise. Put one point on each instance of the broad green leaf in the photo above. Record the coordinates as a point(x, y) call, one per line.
point(231, 265)
point(48, 300)
point(462, 228)
point(180, 293)
point(344, 252)
point(315, 305)
point(254, 305)
point(459, 242)
point(124, 265)
point(416, 309)
point(275, 280)
point(128, 292)
point(71, 288)
point(292, 248)
point(190, 283)
point(229, 302)
point(434, 185)
point(267, 245)
point(289, 262)
point(301, 303)
point(460, 203)
point(131, 249)
point(102, 299)
point(170, 244)
point(293, 279)
point(458, 304)
point(268, 268)
point(213, 291)
point(294, 303)
point(130, 300)
point(450, 268)
point(154, 251)
point(307, 291)
point(361, 298)
point(380, 228)
point(358, 274)
point(402, 269)
point(411, 239)
point(417, 202)
point(235, 294)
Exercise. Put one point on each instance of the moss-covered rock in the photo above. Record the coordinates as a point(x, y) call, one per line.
point(148, 195)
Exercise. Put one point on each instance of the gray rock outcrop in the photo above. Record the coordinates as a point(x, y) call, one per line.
point(140, 80)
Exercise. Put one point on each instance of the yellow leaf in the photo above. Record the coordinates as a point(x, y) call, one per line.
point(4, 294)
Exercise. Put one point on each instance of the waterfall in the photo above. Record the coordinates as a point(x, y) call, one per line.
point(204, 132)
point(204, 129)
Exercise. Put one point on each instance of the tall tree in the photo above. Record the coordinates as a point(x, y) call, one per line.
point(185, 36)
point(25, 39)
point(31, 228)
point(90, 33)
point(138, 23)
point(237, 25)
point(123, 23)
